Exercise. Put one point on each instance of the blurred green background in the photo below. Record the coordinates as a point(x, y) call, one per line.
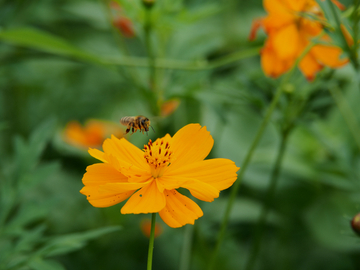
point(66, 60)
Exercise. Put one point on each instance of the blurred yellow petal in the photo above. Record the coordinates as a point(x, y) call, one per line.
point(190, 144)
point(179, 210)
point(297, 5)
point(276, 7)
point(272, 65)
point(286, 42)
point(147, 200)
point(309, 66)
point(329, 55)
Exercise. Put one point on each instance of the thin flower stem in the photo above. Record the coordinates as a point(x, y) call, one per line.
point(150, 49)
point(351, 51)
point(151, 241)
point(181, 64)
point(356, 19)
point(130, 74)
point(268, 199)
point(236, 186)
point(346, 113)
point(186, 248)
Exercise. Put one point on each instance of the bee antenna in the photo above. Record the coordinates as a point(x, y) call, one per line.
point(153, 129)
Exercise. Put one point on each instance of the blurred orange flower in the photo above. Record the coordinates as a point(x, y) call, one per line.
point(91, 135)
point(146, 228)
point(151, 176)
point(168, 107)
point(120, 21)
point(290, 26)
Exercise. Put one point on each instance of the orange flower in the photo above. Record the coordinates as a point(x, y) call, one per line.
point(290, 26)
point(146, 228)
point(91, 135)
point(151, 176)
point(168, 107)
point(121, 22)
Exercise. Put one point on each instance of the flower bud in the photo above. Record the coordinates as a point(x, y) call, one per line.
point(148, 3)
point(355, 224)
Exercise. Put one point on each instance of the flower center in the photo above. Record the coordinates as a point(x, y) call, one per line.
point(158, 156)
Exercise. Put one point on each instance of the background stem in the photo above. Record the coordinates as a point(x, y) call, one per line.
point(151, 241)
point(268, 199)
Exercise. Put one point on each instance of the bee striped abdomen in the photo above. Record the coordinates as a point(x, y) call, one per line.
point(134, 123)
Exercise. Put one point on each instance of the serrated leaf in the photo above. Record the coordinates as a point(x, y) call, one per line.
point(71, 242)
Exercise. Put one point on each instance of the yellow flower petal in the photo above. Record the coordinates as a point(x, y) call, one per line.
point(218, 172)
point(190, 144)
point(102, 173)
point(98, 199)
point(171, 182)
point(201, 190)
point(147, 200)
point(121, 187)
point(124, 150)
point(97, 154)
point(179, 210)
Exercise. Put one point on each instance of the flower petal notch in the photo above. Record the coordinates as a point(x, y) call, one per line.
point(148, 178)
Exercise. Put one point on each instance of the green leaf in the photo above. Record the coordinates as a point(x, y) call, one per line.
point(41, 136)
point(71, 242)
point(40, 264)
point(46, 42)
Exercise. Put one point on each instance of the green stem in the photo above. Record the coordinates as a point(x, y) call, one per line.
point(159, 63)
point(249, 154)
point(150, 50)
point(346, 113)
point(266, 206)
point(236, 186)
point(186, 248)
point(151, 241)
point(356, 18)
point(351, 51)
point(129, 74)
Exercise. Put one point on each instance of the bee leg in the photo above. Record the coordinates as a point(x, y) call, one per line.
point(132, 130)
point(127, 130)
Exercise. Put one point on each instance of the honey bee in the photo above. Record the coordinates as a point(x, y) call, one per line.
point(134, 123)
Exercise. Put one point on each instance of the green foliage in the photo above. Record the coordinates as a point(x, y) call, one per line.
point(65, 60)
point(24, 242)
